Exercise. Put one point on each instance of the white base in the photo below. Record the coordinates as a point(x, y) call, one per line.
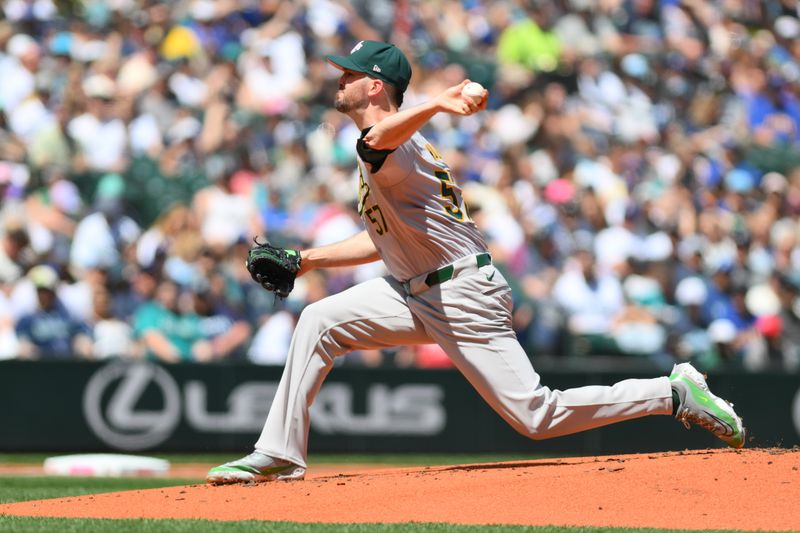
point(105, 465)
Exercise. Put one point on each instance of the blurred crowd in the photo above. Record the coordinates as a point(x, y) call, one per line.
point(637, 172)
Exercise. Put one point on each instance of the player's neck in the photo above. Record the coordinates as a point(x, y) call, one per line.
point(364, 118)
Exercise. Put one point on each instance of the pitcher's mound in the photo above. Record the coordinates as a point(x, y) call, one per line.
point(707, 489)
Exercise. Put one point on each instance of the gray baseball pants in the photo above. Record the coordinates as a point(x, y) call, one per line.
point(469, 316)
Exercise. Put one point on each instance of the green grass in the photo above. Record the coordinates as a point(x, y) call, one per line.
point(20, 489)
point(77, 525)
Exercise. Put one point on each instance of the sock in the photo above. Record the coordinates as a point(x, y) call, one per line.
point(676, 402)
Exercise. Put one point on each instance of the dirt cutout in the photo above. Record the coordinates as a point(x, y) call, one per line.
point(706, 489)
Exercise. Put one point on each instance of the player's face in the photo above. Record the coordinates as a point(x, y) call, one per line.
point(352, 93)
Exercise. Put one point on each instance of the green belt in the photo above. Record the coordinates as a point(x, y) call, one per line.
point(445, 273)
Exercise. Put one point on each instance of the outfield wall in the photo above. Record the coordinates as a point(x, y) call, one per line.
point(137, 407)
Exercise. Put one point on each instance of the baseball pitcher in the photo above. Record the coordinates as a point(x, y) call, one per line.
point(441, 287)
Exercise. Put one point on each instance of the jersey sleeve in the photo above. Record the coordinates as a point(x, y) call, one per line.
point(386, 174)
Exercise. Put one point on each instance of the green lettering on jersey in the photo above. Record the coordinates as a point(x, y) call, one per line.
point(380, 225)
point(374, 213)
point(363, 191)
point(449, 193)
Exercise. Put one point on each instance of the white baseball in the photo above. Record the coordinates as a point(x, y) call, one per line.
point(474, 90)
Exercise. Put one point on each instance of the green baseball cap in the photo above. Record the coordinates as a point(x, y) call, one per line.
point(383, 61)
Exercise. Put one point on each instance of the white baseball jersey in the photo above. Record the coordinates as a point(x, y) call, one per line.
point(414, 212)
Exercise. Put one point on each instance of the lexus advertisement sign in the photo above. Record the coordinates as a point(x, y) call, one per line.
point(112, 406)
point(143, 406)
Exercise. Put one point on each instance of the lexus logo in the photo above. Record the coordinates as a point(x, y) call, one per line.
point(122, 424)
point(138, 406)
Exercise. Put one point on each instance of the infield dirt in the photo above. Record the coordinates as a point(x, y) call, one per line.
point(702, 489)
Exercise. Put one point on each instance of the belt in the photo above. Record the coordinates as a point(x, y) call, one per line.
point(415, 285)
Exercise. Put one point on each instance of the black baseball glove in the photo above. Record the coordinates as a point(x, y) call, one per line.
point(273, 268)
